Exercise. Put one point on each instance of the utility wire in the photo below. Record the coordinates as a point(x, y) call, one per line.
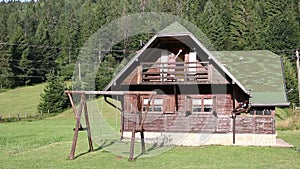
point(31, 61)
point(63, 47)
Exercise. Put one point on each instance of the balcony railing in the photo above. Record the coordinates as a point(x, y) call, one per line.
point(165, 72)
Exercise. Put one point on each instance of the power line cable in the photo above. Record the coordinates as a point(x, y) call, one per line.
point(65, 47)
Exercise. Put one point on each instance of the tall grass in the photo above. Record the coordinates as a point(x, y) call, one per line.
point(287, 119)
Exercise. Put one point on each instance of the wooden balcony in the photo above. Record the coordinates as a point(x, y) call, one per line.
point(179, 72)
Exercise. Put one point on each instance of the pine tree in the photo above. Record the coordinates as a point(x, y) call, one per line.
point(213, 26)
point(225, 11)
point(68, 36)
point(45, 55)
point(291, 79)
point(105, 72)
point(243, 15)
point(282, 30)
point(53, 99)
point(6, 74)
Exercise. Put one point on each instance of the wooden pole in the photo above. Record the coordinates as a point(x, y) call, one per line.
point(131, 153)
point(298, 72)
point(71, 156)
point(79, 71)
point(147, 110)
point(233, 127)
point(88, 125)
point(84, 105)
point(141, 125)
point(175, 97)
point(140, 110)
point(112, 92)
point(74, 108)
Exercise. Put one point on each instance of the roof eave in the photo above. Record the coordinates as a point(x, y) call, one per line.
point(270, 104)
point(174, 34)
point(111, 83)
point(211, 56)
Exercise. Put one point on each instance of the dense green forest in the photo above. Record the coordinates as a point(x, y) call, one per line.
point(43, 36)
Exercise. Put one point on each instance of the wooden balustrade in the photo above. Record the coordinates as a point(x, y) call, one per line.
point(166, 72)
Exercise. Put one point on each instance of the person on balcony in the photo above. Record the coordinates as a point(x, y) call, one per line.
point(172, 63)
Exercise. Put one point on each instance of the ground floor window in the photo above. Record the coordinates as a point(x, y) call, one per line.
point(200, 103)
point(155, 105)
point(260, 112)
point(196, 104)
point(207, 104)
point(164, 104)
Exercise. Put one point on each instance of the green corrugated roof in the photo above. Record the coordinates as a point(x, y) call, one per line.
point(259, 71)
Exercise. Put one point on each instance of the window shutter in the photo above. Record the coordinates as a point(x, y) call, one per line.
point(169, 105)
point(188, 104)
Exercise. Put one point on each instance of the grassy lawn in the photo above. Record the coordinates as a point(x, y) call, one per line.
point(20, 101)
point(47, 143)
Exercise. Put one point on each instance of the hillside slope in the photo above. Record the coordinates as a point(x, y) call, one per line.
point(20, 100)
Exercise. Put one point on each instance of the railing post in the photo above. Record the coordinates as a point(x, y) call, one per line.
point(139, 74)
point(209, 73)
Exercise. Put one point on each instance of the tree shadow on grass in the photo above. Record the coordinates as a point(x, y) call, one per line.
point(108, 143)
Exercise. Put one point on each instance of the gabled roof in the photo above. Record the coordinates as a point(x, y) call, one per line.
point(258, 71)
point(174, 28)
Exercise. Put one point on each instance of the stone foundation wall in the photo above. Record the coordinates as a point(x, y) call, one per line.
point(197, 139)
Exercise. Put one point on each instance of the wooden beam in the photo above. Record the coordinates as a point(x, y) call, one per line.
point(112, 92)
point(75, 137)
point(147, 110)
point(74, 108)
point(140, 110)
point(175, 97)
point(233, 127)
point(88, 125)
point(131, 152)
point(83, 105)
point(298, 71)
point(141, 126)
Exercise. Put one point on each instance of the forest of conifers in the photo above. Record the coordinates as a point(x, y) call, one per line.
point(46, 35)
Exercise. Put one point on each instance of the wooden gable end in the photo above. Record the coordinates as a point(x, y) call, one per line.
point(158, 70)
point(133, 78)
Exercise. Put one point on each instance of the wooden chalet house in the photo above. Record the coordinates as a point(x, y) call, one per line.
point(198, 91)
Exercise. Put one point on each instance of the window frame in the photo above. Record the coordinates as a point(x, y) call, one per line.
point(261, 112)
point(153, 104)
point(190, 107)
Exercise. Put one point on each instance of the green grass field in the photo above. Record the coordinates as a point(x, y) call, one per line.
point(47, 143)
point(20, 101)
